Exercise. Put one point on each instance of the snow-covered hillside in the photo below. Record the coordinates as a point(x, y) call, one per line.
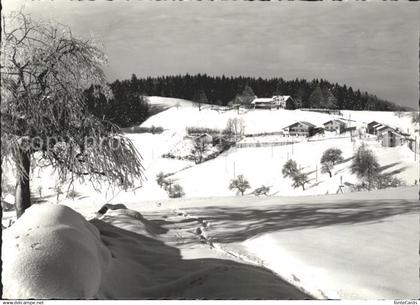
point(260, 165)
point(261, 120)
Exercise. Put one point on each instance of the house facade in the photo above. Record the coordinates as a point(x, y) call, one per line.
point(263, 103)
point(300, 129)
point(334, 125)
point(392, 138)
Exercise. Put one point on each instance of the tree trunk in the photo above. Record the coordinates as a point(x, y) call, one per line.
point(23, 194)
point(303, 186)
point(330, 174)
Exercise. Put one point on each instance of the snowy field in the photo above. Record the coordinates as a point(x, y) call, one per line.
point(351, 246)
point(293, 244)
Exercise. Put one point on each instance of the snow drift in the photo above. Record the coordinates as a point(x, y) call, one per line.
point(52, 252)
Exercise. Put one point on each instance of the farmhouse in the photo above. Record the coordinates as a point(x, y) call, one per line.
point(284, 101)
point(334, 125)
point(300, 129)
point(278, 101)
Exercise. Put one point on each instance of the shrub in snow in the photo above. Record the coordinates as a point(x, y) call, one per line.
point(160, 179)
point(240, 184)
point(175, 191)
point(262, 190)
point(52, 252)
point(72, 194)
point(202, 130)
point(385, 181)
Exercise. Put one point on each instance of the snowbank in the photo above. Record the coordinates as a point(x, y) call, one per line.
point(52, 252)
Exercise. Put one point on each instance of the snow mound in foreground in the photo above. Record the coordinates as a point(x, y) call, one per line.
point(52, 252)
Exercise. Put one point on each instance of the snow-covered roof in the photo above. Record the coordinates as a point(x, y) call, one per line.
point(335, 120)
point(262, 100)
point(301, 122)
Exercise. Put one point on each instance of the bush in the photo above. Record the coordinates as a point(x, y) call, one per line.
point(175, 191)
point(262, 190)
point(72, 194)
point(386, 181)
point(139, 129)
point(201, 130)
point(160, 179)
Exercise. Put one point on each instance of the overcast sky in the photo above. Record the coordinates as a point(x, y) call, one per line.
point(372, 46)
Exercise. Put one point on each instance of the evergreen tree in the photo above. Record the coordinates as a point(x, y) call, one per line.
point(316, 99)
point(200, 98)
point(329, 102)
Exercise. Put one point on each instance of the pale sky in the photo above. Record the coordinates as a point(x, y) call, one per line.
point(372, 46)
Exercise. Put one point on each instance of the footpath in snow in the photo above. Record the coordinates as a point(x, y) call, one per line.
point(352, 246)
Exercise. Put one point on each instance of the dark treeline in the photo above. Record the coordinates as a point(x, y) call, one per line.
point(128, 106)
point(222, 90)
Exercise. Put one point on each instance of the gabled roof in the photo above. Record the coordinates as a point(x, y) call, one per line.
point(202, 135)
point(373, 123)
point(384, 127)
point(282, 97)
point(379, 125)
point(335, 120)
point(301, 122)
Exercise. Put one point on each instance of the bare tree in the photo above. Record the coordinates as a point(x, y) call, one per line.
point(235, 129)
point(198, 150)
point(44, 71)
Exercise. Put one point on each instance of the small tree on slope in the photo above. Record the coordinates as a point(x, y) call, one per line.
point(365, 166)
point(240, 184)
point(329, 158)
point(300, 179)
point(290, 169)
point(44, 71)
